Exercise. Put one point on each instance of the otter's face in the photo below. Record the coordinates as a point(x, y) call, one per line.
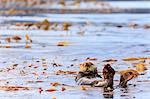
point(87, 70)
point(88, 67)
point(108, 72)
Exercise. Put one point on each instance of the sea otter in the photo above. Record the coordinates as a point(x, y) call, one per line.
point(88, 75)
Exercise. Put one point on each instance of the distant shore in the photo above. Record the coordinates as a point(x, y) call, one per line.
point(112, 6)
point(40, 10)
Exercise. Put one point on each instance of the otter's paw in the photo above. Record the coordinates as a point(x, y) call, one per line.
point(84, 81)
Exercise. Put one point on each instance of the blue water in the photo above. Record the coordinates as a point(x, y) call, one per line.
point(91, 35)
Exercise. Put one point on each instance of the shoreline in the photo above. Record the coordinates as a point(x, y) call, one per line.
point(24, 11)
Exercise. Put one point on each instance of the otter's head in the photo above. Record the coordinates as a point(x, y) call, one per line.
point(88, 70)
point(108, 72)
point(88, 67)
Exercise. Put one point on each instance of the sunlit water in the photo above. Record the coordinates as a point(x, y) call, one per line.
point(91, 35)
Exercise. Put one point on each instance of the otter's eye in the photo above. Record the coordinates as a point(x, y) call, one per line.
point(87, 65)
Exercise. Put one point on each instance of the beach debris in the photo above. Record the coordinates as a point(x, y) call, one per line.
point(35, 74)
point(27, 37)
point(76, 3)
point(63, 88)
point(14, 11)
point(44, 62)
point(55, 84)
point(6, 46)
point(38, 81)
point(140, 67)
point(60, 72)
point(45, 24)
point(24, 24)
point(130, 59)
point(119, 26)
point(83, 88)
point(135, 59)
point(56, 64)
point(62, 2)
point(66, 26)
point(27, 46)
point(40, 90)
point(8, 39)
point(13, 88)
point(63, 43)
point(54, 97)
point(16, 38)
point(133, 25)
point(74, 60)
point(28, 40)
point(110, 60)
point(147, 26)
point(91, 59)
point(51, 90)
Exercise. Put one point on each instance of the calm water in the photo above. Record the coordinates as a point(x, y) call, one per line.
point(91, 35)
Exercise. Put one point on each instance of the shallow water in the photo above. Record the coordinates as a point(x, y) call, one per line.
point(91, 35)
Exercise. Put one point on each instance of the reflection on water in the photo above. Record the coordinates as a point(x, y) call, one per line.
point(91, 35)
point(109, 94)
